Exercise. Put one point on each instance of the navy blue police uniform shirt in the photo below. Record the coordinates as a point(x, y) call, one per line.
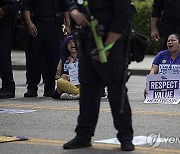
point(45, 8)
point(170, 8)
point(8, 6)
point(113, 14)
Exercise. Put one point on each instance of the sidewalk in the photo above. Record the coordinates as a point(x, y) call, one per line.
point(142, 68)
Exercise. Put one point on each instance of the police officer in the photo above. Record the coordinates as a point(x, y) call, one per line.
point(44, 21)
point(93, 76)
point(167, 13)
point(7, 10)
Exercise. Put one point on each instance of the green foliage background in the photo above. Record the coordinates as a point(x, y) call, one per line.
point(142, 24)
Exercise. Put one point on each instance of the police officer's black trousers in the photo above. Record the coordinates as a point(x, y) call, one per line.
point(44, 45)
point(93, 76)
point(5, 56)
point(169, 29)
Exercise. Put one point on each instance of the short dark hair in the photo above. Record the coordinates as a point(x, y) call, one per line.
point(177, 35)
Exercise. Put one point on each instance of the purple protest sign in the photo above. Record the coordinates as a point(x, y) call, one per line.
point(163, 89)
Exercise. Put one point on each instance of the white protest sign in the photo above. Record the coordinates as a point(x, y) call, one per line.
point(137, 140)
point(73, 73)
point(169, 69)
point(164, 89)
point(15, 111)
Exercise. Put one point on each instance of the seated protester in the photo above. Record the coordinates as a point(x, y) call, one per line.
point(67, 72)
point(168, 57)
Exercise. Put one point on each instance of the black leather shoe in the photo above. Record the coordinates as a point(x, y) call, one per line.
point(103, 93)
point(77, 143)
point(4, 93)
point(128, 146)
point(30, 93)
point(48, 93)
point(56, 95)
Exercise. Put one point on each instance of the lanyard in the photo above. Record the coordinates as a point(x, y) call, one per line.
point(173, 60)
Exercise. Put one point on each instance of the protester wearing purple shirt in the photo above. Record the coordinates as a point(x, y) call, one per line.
point(164, 57)
point(170, 56)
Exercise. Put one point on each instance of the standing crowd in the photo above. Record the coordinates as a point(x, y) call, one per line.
point(74, 61)
point(44, 20)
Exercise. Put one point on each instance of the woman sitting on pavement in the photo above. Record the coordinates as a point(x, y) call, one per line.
point(67, 72)
point(171, 56)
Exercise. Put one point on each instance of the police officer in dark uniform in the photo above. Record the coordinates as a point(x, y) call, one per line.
point(167, 13)
point(93, 76)
point(44, 20)
point(7, 10)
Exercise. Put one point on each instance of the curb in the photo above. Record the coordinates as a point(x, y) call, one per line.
point(133, 71)
point(139, 72)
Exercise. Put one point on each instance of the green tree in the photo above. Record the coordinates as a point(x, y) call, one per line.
point(142, 24)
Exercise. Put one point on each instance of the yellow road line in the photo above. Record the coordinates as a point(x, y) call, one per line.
point(66, 108)
point(41, 107)
point(157, 113)
point(47, 142)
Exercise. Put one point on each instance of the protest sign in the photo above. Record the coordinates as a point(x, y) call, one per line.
point(73, 73)
point(169, 69)
point(163, 89)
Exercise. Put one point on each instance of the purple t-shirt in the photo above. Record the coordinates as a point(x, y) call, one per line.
point(163, 57)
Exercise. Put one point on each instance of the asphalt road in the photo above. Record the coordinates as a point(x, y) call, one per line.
point(53, 122)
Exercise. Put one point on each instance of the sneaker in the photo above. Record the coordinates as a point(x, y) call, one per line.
point(77, 143)
point(127, 146)
point(5, 93)
point(30, 93)
point(75, 97)
point(66, 96)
